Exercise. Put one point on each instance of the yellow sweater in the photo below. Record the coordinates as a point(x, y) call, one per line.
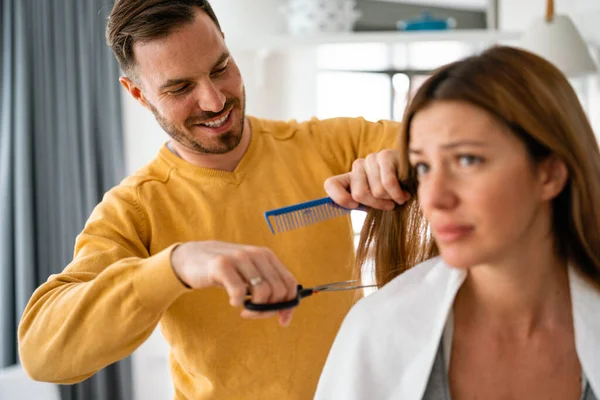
point(120, 284)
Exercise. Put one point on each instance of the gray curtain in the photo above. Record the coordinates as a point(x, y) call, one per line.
point(61, 148)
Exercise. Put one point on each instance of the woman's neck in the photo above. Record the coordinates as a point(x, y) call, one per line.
point(518, 295)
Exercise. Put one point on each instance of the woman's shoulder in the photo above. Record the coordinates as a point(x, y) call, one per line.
point(408, 292)
point(431, 272)
point(397, 328)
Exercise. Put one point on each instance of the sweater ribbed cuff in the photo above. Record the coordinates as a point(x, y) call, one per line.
point(156, 283)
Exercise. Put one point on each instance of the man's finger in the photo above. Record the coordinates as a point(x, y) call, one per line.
point(338, 188)
point(257, 281)
point(361, 191)
point(389, 180)
point(372, 171)
point(248, 314)
point(359, 183)
point(285, 316)
point(234, 283)
point(285, 276)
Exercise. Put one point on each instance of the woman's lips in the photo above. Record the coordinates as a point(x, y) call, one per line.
point(451, 232)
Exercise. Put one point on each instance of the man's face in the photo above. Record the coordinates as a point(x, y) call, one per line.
point(193, 87)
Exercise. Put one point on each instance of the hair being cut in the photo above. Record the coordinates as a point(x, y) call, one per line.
point(141, 21)
point(535, 100)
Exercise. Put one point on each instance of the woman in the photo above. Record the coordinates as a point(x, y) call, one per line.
point(505, 227)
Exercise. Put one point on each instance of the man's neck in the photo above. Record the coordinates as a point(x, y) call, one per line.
point(222, 162)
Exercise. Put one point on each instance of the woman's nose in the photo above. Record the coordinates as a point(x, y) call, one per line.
point(437, 190)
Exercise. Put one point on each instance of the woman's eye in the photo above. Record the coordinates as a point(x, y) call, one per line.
point(467, 160)
point(421, 168)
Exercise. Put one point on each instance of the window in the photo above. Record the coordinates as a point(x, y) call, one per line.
point(375, 80)
point(353, 94)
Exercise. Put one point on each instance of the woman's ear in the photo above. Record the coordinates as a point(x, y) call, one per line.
point(553, 175)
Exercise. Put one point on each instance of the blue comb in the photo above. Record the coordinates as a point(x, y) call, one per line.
point(298, 215)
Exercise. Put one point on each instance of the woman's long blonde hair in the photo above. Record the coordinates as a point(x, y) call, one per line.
point(537, 102)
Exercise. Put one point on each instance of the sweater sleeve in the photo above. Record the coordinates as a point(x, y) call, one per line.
point(343, 140)
point(105, 303)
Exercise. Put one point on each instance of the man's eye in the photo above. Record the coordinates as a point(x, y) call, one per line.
point(221, 70)
point(181, 90)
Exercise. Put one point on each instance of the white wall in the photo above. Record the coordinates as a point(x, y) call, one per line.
point(517, 15)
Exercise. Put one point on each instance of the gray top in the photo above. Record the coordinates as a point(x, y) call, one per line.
point(438, 387)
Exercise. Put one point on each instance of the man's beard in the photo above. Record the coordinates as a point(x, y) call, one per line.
point(221, 144)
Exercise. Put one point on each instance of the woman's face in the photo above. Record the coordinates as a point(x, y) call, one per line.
point(482, 195)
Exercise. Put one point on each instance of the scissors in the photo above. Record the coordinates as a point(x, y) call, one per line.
point(302, 293)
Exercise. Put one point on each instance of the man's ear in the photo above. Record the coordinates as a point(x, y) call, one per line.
point(554, 174)
point(134, 90)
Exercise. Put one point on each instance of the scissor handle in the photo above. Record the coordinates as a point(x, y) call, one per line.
point(249, 305)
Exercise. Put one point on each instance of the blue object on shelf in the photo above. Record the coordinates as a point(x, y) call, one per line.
point(426, 22)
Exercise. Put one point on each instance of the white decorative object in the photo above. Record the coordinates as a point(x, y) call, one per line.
point(316, 16)
point(556, 39)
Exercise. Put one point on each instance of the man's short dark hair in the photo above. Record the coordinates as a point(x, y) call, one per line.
point(140, 21)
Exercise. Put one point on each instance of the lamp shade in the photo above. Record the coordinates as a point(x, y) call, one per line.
point(559, 42)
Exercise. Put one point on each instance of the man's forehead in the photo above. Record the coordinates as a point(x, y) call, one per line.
point(193, 48)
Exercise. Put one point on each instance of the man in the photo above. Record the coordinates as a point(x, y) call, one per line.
point(183, 239)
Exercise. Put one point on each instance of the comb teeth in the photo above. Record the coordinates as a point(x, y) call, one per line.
point(303, 214)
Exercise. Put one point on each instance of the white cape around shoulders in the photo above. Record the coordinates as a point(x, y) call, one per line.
point(387, 344)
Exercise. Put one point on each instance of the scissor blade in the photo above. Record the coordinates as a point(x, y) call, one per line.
point(339, 289)
point(331, 285)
